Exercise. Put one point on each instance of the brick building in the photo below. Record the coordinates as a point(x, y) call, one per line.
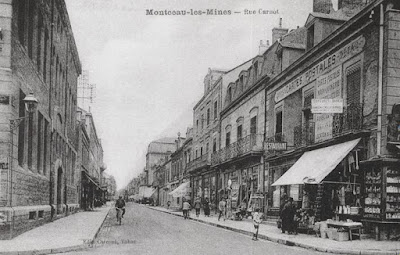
point(37, 55)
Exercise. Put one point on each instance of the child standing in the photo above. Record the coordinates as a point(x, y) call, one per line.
point(257, 219)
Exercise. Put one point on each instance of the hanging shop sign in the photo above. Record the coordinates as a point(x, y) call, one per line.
point(328, 86)
point(333, 60)
point(269, 146)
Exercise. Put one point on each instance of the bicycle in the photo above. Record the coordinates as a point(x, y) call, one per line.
point(119, 215)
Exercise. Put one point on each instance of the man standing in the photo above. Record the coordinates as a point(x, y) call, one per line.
point(222, 208)
point(120, 203)
point(197, 206)
point(185, 209)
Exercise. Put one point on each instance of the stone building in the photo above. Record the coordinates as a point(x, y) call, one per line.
point(90, 162)
point(342, 155)
point(37, 55)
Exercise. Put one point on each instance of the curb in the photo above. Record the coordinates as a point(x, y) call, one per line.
point(287, 242)
point(61, 249)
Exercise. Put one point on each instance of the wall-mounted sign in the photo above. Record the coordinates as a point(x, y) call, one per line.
point(338, 57)
point(4, 99)
point(327, 105)
point(328, 87)
point(275, 146)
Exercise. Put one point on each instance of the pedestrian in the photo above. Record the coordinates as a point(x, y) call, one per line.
point(288, 213)
point(197, 206)
point(222, 208)
point(206, 207)
point(281, 212)
point(168, 204)
point(257, 219)
point(185, 209)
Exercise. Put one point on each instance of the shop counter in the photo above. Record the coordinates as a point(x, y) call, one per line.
point(349, 226)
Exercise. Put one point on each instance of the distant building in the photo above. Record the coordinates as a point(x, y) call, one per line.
point(157, 150)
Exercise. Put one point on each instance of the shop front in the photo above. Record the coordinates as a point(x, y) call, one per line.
point(326, 185)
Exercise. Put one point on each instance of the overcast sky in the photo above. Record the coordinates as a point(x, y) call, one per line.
point(149, 70)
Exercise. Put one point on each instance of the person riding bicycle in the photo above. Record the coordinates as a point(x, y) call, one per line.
point(120, 204)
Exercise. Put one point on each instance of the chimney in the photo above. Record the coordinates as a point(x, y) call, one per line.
point(278, 32)
point(323, 6)
point(263, 47)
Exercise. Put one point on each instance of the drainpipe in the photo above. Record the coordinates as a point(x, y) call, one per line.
point(380, 83)
point(50, 112)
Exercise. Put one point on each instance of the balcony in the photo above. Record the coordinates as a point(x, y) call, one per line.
point(244, 146)
point(349, 121)
point(304, 134)
point(199, 162)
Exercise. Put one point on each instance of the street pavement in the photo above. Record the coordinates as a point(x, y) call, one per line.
point(146, 231)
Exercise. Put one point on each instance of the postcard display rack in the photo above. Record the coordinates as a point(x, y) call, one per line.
point(382, 193)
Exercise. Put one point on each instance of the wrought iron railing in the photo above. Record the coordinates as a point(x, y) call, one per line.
point(304, 134)
point(348, 121)
point(201, 161)
point(244, 145)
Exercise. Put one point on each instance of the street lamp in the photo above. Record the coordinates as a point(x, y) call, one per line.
point(30, 106)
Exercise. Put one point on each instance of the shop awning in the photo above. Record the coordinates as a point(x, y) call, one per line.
point(149, 192)
point(181, 191)
point(313, 166)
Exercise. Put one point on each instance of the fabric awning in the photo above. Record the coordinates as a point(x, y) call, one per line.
point(181, 191)
point(313, 166)
point(149, 192)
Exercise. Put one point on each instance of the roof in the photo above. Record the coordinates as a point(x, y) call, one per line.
point(294, 39)
point(163, 145)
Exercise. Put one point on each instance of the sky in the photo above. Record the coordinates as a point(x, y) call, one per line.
point(149, 69)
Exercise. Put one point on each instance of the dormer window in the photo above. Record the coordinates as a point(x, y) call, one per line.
point(310, 37)
point(255, 71)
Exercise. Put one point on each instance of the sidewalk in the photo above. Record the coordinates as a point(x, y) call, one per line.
point(70, 233)
point(272, 233)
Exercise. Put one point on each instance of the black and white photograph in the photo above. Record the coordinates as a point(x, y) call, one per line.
point(180, 127)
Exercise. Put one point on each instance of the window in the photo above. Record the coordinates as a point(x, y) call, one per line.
point(201, 151)
point(46, 39)
point(278, 123)
point(310, 37)
point(197, 125)
point(255, 72)
point(228, 139)
point(39, 41)
point(40, 215)
point(229, 94)
point(208, 116)
point(239, 132)
point(215, 145)
point(32, 215)
point(31, 18)
point(21, 21)
point(215, 110)
point(196, 153)
point(353, 86)
point(30, 140)
point(253, 125)
point(39, 143)
point(207, 145)
point(202, 121)
point(21, 129)
point(45, 134)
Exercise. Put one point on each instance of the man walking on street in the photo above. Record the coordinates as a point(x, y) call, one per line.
point(197, 206)
point(222, 208)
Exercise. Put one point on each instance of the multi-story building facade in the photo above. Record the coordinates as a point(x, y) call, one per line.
point(348, 157)
point(38, 153)
point(90, 162)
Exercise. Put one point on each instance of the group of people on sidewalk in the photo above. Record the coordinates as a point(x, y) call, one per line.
point(222, 208)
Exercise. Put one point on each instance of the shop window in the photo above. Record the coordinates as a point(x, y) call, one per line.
point(239, 132)
point(228, 139)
